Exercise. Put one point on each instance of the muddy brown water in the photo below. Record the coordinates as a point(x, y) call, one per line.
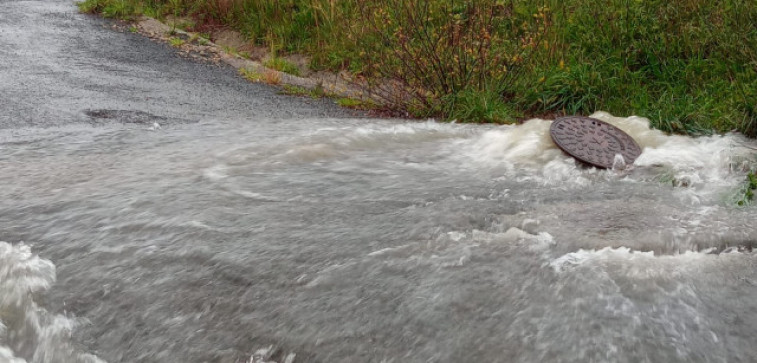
point(158, 210)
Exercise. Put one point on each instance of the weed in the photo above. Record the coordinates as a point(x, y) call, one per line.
point(749, 188)
point(272, 77)
point(176, 42)
point(294, 90)
point(748, 104)
point(282, 65)
point(119, 9)
point(133, 29)
point(356, 104)
point(185, 25)
point(90, 6)
point(478, 106)
point(667, 178)
point(348, 102)
point(151, 12)
point(250, 75)
point(230, 50)
point(318, 91)
point(176, 7)
point(269, 77)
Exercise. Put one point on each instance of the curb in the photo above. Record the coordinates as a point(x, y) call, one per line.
point(155, 29)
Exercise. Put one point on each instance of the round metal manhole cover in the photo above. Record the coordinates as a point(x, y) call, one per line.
point(593, 141)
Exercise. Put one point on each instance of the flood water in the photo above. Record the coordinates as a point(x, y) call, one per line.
point(354, 240)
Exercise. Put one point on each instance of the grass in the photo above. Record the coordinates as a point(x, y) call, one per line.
point(251, 75)
point(690, 66)
point(318, 92)
point(176, 42)
point(282, 65)
point(268, 77)
point(295, 91)
point(119, 9)
point(271, 77)
point(184, 25)
point(482, 106)
point(357, 104)
point(230, 50)
point(314, 93)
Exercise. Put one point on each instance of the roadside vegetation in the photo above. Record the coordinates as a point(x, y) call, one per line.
point(282, 65)
point(176, 42)
point(690, 66)
point(746, 195)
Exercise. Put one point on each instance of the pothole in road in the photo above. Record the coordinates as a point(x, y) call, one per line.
point(126, 116)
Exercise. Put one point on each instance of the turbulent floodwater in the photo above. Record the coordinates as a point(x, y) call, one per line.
point(325, 240)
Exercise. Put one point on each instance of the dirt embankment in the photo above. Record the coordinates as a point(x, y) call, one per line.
point(230, 47)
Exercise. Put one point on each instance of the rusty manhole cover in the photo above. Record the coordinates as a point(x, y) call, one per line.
point(593, 141)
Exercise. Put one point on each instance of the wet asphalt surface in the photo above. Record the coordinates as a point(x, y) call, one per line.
point(59, 67)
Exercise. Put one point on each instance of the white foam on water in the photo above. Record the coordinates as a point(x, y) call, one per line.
point(525, 153)
point(6, 355)
point(528, 150)
point(527, 146)
point(455, 248)
point(330, 143)
point(620, 285)
point(263, 355)
point(28, 332)
point(573, 260)
point(378, 136)
point(215, 173)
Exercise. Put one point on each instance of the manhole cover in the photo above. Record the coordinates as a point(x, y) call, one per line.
point(592, 141)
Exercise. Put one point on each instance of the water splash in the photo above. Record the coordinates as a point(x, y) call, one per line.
point(527, 149)
point(619, 163)
point(28, 333)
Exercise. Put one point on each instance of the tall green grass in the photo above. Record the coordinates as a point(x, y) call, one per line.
point(690, 66)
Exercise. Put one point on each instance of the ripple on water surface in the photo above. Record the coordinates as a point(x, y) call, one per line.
point(336, 239)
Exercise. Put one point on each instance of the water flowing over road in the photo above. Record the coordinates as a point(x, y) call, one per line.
point(154, 209)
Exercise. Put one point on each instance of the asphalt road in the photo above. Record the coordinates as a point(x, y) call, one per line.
point(59, 67)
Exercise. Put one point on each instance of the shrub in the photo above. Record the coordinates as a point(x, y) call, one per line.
point(431, 50)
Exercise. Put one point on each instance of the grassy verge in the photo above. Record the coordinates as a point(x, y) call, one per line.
point(690, 66)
